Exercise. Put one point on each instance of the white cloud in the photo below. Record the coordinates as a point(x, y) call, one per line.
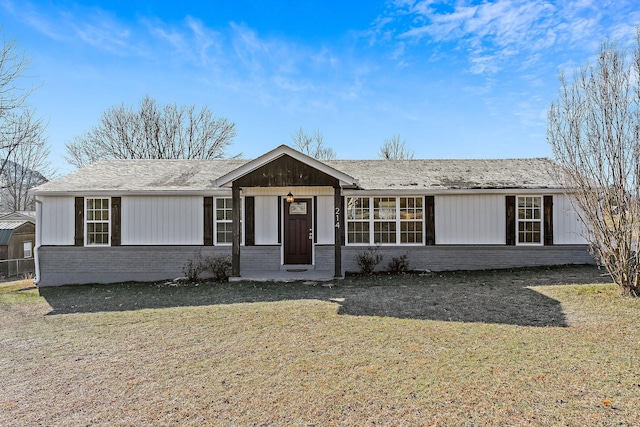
point(494, 32)
point(100, 31)
point(90, 25)
point(484, 64)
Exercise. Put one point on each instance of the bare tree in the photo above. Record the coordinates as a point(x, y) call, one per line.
point(26, 166)
point(395, 149)
point(23, 147)
point(313, 145)
point(594, 131)
point(13, 98)
point(153, 132)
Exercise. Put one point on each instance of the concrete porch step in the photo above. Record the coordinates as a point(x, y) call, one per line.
point(287, 275)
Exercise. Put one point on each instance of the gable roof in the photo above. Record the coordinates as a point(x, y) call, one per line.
point(208, 176)
point(283, 150)
point(7, 228)
point(19, 215)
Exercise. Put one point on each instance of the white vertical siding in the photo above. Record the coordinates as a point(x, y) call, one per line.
point(470, 219)
point(58, 220)
point(567, 228)
point(325, 233)
point(164, 220)
point(266, 223)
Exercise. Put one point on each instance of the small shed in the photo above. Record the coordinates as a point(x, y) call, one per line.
point(17, 238)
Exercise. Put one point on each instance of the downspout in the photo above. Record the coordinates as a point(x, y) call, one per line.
point(36, 259)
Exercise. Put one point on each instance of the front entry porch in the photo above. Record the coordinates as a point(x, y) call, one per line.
point(260, 263)
point(268, 179)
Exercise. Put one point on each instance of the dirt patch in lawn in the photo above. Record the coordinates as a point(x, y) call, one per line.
point(497, 296)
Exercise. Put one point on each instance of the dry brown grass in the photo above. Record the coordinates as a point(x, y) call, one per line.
point(486, 348)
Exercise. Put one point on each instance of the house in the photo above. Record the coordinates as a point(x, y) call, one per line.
point(132, 220)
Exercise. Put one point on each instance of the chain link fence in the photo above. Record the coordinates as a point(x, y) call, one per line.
point(16, 267)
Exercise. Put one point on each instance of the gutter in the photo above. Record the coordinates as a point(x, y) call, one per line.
point(36, 259)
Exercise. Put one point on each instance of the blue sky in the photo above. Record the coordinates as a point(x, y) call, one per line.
point(455, 79)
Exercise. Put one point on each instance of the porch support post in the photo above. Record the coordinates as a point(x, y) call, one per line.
point(338, 227)
point(235, 229)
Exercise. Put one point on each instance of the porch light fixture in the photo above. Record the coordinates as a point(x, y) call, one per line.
point(289, 197)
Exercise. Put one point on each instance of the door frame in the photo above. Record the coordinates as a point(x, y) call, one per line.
point(285, 229)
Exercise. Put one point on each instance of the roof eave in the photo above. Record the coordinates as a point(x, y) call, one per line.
point(121, 192)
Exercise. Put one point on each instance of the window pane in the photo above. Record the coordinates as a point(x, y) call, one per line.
point(384, 208)
point(529, 232)
point(358, 232)
point(97, 233)
point(410, 208)
point(224, 209)
point(384, 232)
point(536, 213)
point(357, 208)
point(411, 232)
point(224, 232)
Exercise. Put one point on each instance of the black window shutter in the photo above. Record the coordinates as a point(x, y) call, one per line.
point(116, 221)
point(510, 203)
point(79, 222)
point(250, 221)
point(548, 220)
point(430, 220)
point(208, 221)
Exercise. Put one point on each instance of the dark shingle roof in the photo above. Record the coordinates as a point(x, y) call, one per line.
point(200, 175)
point(449, 174)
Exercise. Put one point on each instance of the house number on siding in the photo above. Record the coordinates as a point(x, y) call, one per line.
point(337, 217)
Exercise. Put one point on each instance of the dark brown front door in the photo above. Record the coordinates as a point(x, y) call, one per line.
point(297, 232)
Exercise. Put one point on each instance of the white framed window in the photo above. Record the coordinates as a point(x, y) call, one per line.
point(411, 219)
point(529, 220)
point(358, 217)
point(385, 220)
point(224, 221)
point(27, 249)
point(97, 221)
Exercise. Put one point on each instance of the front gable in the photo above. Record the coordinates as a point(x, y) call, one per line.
point(283, 167)
point(286, 171)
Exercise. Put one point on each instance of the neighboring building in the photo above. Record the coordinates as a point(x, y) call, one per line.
point(124, 220)
point(19, 215)
point(17, 240)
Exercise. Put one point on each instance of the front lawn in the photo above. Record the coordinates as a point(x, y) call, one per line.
point(523, 347)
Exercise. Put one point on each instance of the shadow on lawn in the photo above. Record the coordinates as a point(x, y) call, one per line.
point(500, 296)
